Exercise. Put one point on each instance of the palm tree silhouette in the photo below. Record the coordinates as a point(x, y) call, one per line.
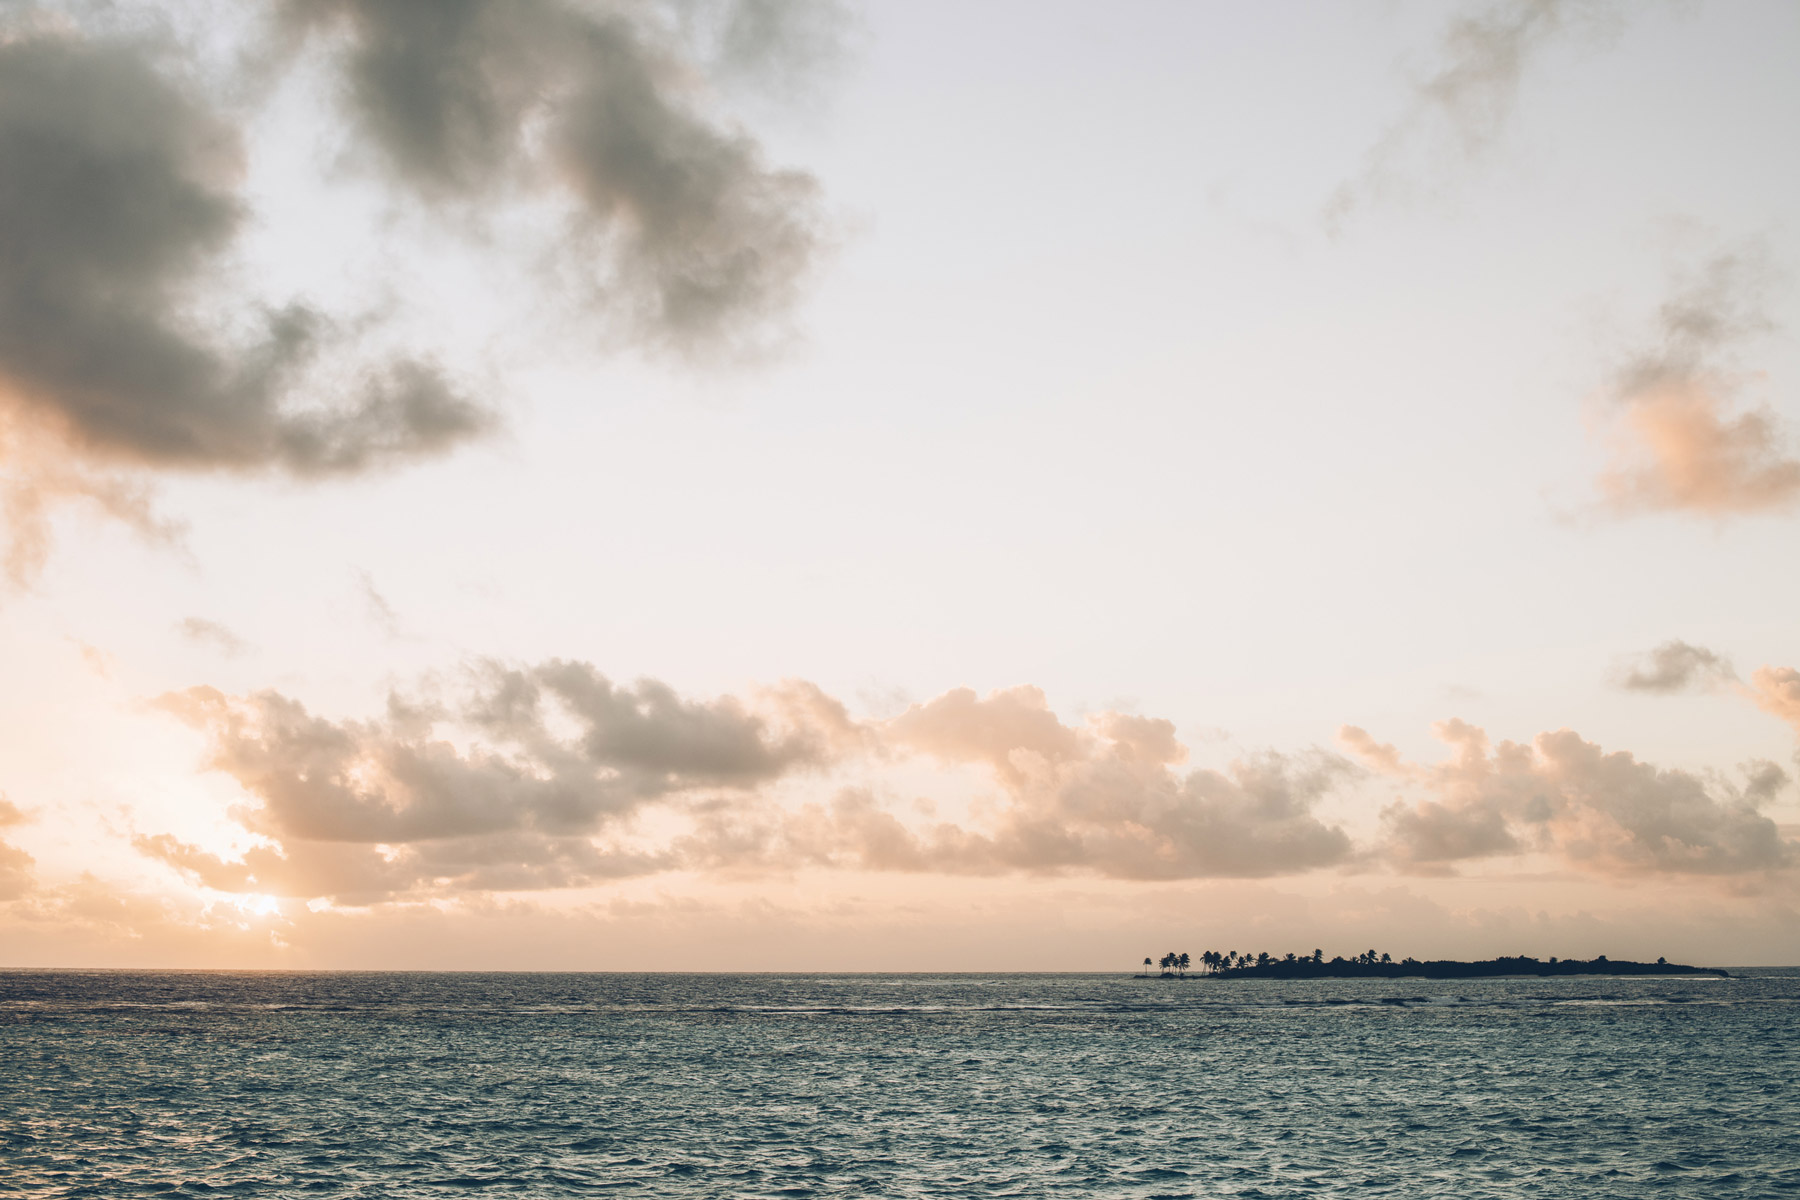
point(1182, 963)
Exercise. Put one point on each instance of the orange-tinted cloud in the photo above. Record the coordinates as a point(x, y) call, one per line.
point(1681, 440)
point(1377, 756)
point(15, 865)
point(1776, 690)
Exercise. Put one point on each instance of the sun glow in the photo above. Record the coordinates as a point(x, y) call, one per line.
point(255, 904)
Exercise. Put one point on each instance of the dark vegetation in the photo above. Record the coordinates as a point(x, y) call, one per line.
point(1369, 965)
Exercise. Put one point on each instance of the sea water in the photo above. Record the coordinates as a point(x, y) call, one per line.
point(431, 1085)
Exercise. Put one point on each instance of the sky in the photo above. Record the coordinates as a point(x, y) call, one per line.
point(814, 484)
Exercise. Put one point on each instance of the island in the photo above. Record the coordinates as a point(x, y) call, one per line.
point(1369, 965)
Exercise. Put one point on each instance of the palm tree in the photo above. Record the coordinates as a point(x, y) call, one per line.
point(1182, 963)
point(1147, 964)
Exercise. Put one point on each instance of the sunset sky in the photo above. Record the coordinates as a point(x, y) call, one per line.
point(780, 484)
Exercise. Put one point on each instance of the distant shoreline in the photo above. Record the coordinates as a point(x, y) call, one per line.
point(1495, 968)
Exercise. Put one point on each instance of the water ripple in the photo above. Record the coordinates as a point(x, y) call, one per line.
point(416, 1085)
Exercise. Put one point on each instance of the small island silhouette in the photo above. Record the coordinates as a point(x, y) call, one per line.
point(1369, 965)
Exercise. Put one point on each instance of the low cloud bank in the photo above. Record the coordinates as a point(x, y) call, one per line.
point(551, 775)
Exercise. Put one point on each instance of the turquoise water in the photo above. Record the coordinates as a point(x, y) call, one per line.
point(420, 1085)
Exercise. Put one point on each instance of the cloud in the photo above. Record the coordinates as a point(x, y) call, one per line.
point(1107, 797)
point(16, 878)
point(560, 755)
point(1606, 813)
point(1776, 690)
point(380, 612)
point(551, 775)
point(204, 632)
point(119, 210)
point(779, 43)
point(1463, 103)
point(119, 198)
point(129, 347)
point(1680, 441)
point(677, 222)
point(544, 776)
point(1675, 666)
point(1377, 756)
point(38, 476)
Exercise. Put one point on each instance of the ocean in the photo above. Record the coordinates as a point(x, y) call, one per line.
point(435, 1085)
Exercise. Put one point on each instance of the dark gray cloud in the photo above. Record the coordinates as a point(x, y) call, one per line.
point(1682, 441)
point(127, 344)
point(1462, 103)
point(679, 227)
point(1606, 813)
point(1676, 666)
point(117, 201)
